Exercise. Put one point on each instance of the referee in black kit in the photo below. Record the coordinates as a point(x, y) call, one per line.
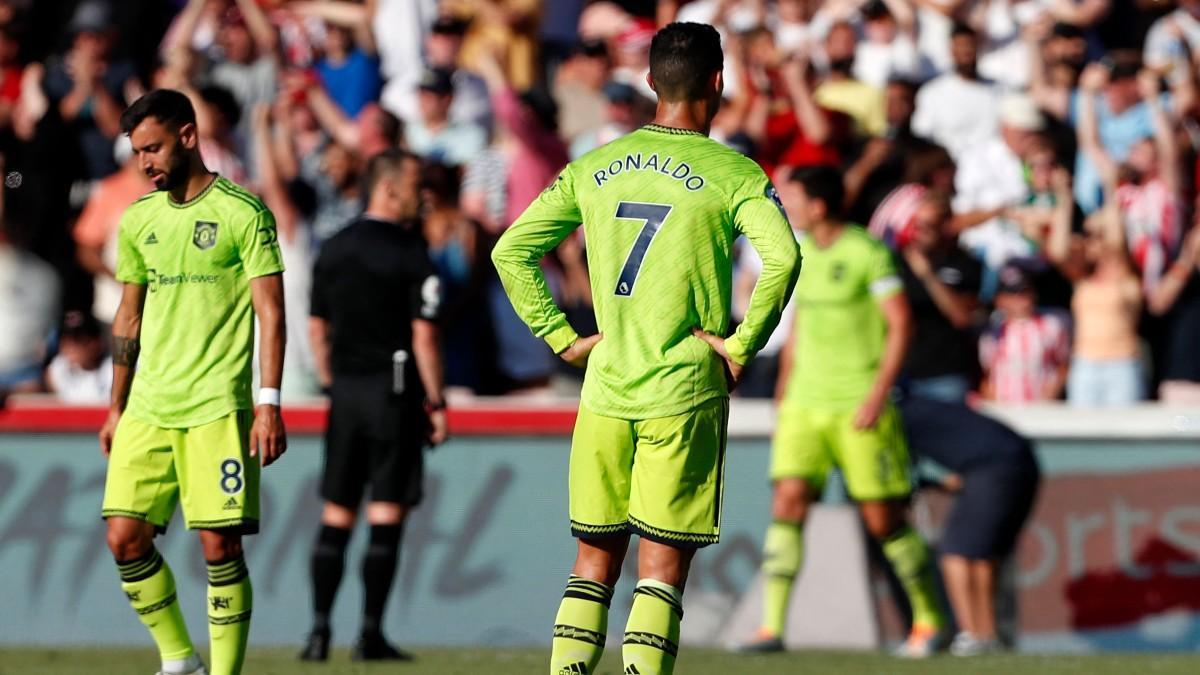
point(374, 306)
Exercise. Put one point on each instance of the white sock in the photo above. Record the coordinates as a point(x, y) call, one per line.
point(182, 666)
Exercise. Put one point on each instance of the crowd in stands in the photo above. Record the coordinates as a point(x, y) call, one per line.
point(1031, 162)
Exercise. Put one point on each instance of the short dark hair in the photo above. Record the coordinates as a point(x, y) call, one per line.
point(683, 56)
point(169, 107)
point(224, 101)
point(824, 183)
point(960, 28)
point(381, 165)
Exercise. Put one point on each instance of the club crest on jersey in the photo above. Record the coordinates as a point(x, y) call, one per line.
point(205, 234)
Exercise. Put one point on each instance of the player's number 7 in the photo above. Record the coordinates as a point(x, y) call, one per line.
point(653, 215)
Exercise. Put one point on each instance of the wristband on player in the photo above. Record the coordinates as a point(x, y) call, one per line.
point(268, 396)
point(432, 406)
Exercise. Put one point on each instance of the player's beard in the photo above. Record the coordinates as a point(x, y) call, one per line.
point(175, 174)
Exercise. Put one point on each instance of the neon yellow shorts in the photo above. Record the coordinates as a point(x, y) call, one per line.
point(809, 442)
point(658, 478)
point(208, 468)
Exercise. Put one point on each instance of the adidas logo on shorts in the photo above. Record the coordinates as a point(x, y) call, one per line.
point(151, 239)
point(232, 504)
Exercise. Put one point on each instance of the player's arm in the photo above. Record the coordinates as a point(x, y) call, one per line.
point(898, 317)
point(761, 219)
point(885, 286)
point(126, 345)
point(267, 436)
point(547, 221)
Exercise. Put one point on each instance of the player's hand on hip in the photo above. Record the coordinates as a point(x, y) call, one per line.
point(733, 369)
point(577, 354)
point(268, 440)
point(108, 431)
point(869, 411)
point(439, 429)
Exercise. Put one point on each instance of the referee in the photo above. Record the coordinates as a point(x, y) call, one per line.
point(374, 305)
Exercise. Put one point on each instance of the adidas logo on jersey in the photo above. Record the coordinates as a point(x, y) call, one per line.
point(231, 504)
point(578, 668)
point(151, 239)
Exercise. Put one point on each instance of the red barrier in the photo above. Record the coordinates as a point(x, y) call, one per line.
point(486, 419)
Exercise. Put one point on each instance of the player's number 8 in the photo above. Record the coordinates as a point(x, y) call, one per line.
point(653, 215)
point(231, 476)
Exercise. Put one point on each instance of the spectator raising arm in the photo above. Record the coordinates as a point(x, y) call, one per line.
point(357, 17)
point(266, 38)
point(1091, 83)
point(1164, 130)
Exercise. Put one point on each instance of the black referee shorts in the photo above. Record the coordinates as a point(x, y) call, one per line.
point(375, 438)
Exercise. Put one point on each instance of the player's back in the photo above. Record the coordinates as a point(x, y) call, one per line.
point(658, 211)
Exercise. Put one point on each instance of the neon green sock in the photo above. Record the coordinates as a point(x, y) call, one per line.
point(652, 633)
point(783, 553)
point(230, 599)
point(580, 627)
point(913, 564)
point(150, 587)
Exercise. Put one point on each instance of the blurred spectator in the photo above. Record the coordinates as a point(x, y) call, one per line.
point(458, 248)
point(11, 75)
point(957, 110)
point(927, 169)
point(991, 179)
point(942, 284)
point(621, 116)
point(1146, 185)
point(433, 135)
point(348, 65)
point(881, 163)
point(86, 86)
point(443, 47)
point(1174, 39)
point(81, 373)
point(842, 92)
point(500, 29)
point(217, 115)
point(579, 89)
point(888, 49)
point(96, 230)
point(29, 303)
point(1123, 119)
point(1178, 298)
point(1026, 351)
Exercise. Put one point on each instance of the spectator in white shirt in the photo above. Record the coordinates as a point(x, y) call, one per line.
point(958, 110)
point(29, 296)
point(434, 135)
point(991, 177)
point(82, 371)
point(888, 47)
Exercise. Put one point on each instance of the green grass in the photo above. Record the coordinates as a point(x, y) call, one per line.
point(476, 661)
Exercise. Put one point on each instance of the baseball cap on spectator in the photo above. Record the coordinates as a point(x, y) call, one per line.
point(875, 10)
point(436, 80)
point(1013, 278)
point(80, 325)
point(449, 25)
point(619, 92)
point(1019, 111)
point(91, 16)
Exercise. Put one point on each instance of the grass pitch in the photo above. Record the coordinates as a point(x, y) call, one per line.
point(475, 661)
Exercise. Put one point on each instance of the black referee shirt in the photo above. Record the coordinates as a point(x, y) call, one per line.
point(370, 281)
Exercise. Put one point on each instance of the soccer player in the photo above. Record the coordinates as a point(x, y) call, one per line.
point(199, 260)
point(375, 298)
point(661, 208)
point(849, 340)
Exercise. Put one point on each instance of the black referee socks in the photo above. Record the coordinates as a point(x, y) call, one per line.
point(328, 563)
point(378, 571)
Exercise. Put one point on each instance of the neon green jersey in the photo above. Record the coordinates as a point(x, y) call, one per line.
point(839, 332)
point(661, 208)
point(196, 260)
